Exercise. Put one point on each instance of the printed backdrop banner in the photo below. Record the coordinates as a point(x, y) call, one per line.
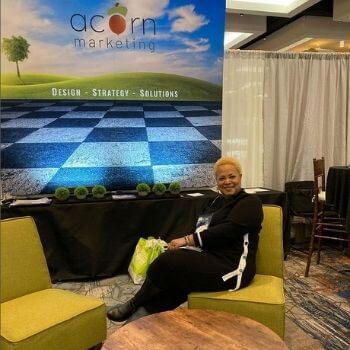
point(131, 50)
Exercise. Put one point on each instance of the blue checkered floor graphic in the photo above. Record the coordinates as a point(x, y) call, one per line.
point(48, 144)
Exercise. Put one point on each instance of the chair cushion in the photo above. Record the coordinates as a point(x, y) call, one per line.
point(264, 289)
point(263, 301)
point(50, 319)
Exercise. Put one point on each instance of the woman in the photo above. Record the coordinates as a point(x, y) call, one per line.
point(227, 234)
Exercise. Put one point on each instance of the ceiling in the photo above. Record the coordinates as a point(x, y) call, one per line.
point(288, 25)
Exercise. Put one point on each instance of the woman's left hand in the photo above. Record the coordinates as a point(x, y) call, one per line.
point(176, 243)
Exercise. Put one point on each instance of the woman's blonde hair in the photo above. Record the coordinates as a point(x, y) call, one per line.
point(228, 160)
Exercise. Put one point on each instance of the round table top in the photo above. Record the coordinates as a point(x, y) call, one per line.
point(194, 329)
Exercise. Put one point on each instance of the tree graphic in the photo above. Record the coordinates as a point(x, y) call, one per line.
point(16, 49)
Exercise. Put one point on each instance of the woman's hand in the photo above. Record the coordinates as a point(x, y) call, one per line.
point(177, 243)
point(181, 242)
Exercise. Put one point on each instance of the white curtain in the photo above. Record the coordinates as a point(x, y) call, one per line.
point(298, 108)
point(242, 123)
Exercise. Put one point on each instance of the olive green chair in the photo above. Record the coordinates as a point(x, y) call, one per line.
point(263, 300)
point(35, 316)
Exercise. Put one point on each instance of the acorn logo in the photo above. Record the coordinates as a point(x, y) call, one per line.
point(117, 22)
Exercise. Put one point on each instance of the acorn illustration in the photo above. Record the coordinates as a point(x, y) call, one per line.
point(117, 22)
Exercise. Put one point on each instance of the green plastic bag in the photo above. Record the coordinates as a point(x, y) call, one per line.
point(146, 251)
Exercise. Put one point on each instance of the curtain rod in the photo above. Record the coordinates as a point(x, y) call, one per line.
point(279, 54)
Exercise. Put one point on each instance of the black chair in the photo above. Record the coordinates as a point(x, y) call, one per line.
point(322, 223)
point(299, 197)
point(299, 194)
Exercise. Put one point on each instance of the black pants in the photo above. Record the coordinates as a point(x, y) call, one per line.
point(175, 274)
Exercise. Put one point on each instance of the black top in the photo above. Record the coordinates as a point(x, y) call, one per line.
point(233, 217)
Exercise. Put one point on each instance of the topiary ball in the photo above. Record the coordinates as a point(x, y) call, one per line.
point(81, 192)
point(143, 189)
point(98, 191)
point(175, 187)
point(159, 189)
point(62, 193)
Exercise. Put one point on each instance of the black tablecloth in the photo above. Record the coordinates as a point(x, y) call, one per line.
point(96, 238)
point(338, 191)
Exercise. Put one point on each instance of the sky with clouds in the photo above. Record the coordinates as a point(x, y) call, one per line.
point(188, 40)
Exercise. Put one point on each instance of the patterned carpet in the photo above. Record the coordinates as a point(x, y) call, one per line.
point(317, 307)
point(48, 144)
point(320, 303)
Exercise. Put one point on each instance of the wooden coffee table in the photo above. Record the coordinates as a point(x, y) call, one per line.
point(194, 329)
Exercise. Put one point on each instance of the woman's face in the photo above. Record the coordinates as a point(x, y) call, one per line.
point(228, 179)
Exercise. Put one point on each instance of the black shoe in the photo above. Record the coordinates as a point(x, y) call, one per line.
point(140, 312)
point(121, 312)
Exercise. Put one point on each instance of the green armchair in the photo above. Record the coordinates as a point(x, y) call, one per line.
point(35, 316)
point(263, 300)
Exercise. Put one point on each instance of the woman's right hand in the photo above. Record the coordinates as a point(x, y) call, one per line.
point(177, 243)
